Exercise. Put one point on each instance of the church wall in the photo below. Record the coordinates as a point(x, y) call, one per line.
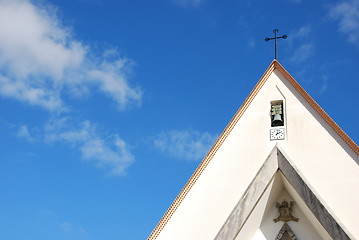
point(325, 165)
point(325, 161)
point(260, 224)
point(216, 192)
point(303, 229)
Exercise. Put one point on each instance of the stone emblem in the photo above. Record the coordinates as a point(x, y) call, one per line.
point(286, 233)
point(285, 212)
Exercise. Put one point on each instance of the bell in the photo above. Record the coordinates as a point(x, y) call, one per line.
point(277, 120)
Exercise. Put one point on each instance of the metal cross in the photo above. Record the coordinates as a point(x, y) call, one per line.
point(275, 41)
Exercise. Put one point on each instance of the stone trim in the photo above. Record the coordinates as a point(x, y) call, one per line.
point(276, 161)
point(347, 140)
point(210, 154)
point(248, 201)
point(274, 65)
point(285, 228)
point(312, 202)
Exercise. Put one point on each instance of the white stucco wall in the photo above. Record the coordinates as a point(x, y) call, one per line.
point(260, 224)
point(314, 148)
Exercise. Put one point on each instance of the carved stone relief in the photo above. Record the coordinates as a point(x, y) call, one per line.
point(285, 215)
point(285, 212)
point(286, 233)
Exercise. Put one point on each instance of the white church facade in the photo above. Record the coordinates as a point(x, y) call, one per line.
point(281, 170)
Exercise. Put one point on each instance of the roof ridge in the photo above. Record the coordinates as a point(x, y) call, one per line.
point(211, 153)
point(274, 65)
point(317, 108)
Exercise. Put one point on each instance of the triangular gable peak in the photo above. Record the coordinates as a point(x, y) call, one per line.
point(211, 194)
point(353, 146)
point(278, 168)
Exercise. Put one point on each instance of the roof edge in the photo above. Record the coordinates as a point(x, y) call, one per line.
point(347, 140)
point(274, 65)
point(178, 200)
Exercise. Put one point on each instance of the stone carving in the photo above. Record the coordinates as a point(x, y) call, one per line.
point(285, 212)
point(285, 233)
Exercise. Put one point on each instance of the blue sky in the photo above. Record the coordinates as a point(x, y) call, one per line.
point(108, 106)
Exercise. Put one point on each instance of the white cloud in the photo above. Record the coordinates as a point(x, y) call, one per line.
point(304, 52)
point(23, 132)
point(111, 79)
point(82, 230)
point(347, 15)
point(187, 144)
point(251, 43)
point(324, 85)
point(66, 226)
point(26, 90)
point(299, 35)
point(40, 60)
point(300, 40)
point(70, 228)
point(104, 152)
point(302, 32)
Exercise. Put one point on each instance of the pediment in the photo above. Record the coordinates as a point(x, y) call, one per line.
point(277, 181)
point(223, 195)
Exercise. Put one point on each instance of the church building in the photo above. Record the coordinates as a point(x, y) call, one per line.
point(281, 170)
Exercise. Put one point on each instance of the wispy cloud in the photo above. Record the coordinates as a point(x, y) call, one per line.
point(187, 144)
point(347, 15)
point(302, 32)
point(251, 43)
point(188, 3)
point(71, 229)
point(110, 152)
point(305, 47)
point(324, 84)
point(302, 53)
point(66, 226)
point(42, 64)
point(41, 61)
point(23, 132)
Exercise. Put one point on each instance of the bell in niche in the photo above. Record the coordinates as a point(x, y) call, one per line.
point(277, 120)
point(277, 115)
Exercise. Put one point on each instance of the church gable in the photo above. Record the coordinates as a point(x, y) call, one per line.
point(319, 149)
point(278, 181)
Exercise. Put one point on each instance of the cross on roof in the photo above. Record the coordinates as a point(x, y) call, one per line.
point(275, 41)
